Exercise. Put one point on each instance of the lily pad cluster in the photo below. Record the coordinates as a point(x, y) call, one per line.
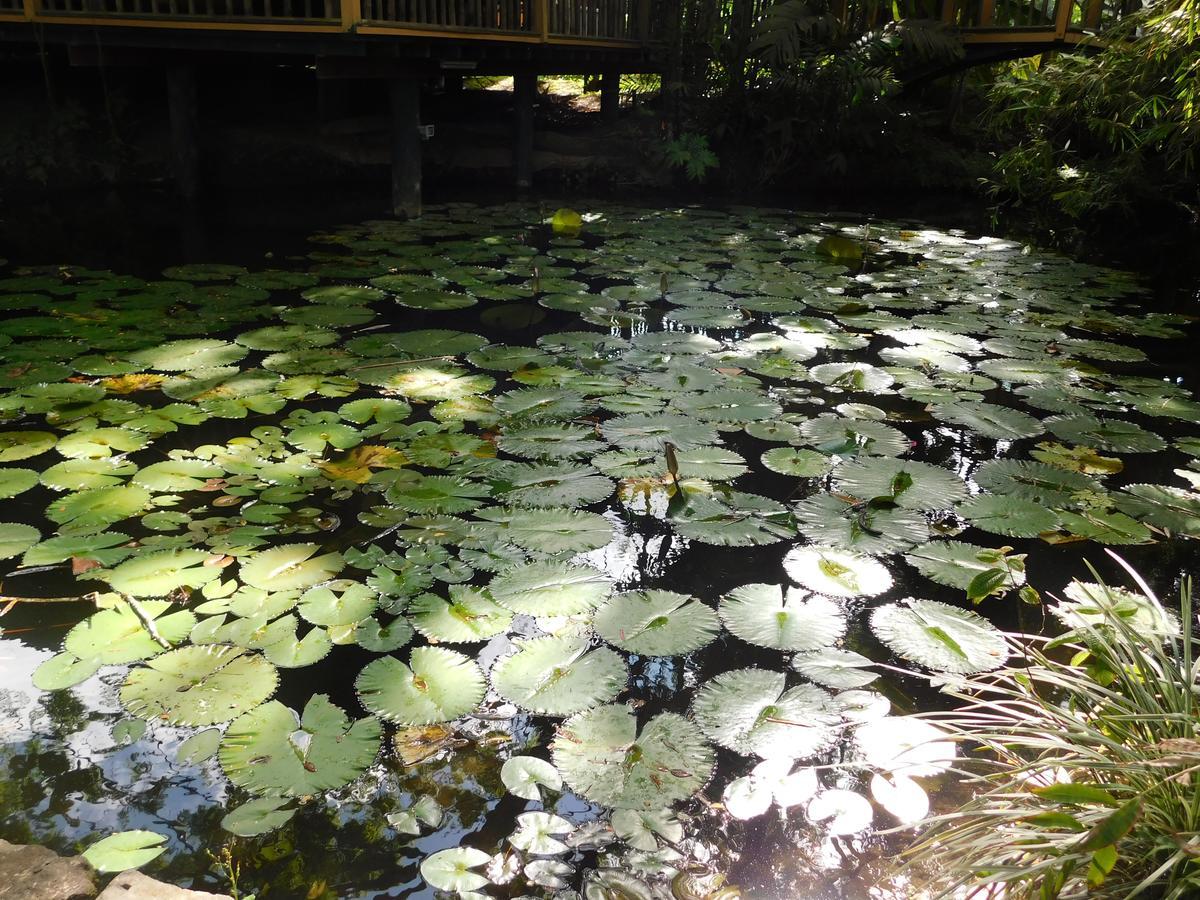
point(431, 445)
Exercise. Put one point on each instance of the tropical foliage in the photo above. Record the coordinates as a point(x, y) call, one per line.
point(1096, 138)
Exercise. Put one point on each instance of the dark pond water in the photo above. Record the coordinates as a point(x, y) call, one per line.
point(797, 432)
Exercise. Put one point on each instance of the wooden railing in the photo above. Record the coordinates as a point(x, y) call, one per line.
point(317, 11)
point(626, 23)
point(512, 16)
point(594, 18)
point(983, 21)
point(618, 22)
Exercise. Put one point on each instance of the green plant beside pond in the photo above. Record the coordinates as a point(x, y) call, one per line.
point(1087, 764)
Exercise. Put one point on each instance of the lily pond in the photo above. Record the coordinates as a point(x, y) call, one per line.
point(504, 555)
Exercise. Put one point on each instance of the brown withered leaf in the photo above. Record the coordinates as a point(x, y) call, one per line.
point(356, 465)
point(127, 384)
point(415, 745)
point(81, 564)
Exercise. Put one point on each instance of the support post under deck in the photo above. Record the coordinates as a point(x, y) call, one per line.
point(524, 93)
point(185, 128)
point(610, 97)
point(405, 94)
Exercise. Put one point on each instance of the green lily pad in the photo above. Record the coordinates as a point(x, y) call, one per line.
point(199, 685)
point(546, 588)
point(15, 445)
point(940, 637)
point(272, 751)
point(837, 573)
point(125, 850)
point(16, 538)
point(437, 685)
point(290, 567)
point(558, 676)
point(469, 615)
point(604, 757)
point(656, 623)
point(751, 712)
point(158, 574)
point(782, 618)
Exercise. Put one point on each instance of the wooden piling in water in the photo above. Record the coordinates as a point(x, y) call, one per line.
point(405, 94)
point(185, 128)
point(610, 97)
point(524, 93)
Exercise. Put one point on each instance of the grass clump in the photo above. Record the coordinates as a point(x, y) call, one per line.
point(1087, 763)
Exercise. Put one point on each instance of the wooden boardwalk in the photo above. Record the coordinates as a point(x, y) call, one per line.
point(608, 24)
point(601, 24)
point(407, 42)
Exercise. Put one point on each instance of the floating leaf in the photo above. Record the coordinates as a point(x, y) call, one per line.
point(656, 623)
point(15, 481)
point(437, 685)
point(558, 676)
point(640, 828)
point(272, 751)
point(905, 745)
point(565, 484)
point(841, 812)
point(535, 833)
point(553, 530)
point(799, 462)
point(861, 527)
point(450, 870)
point(1009, 516)
point(734, 519)
point(603, 757)
point(751, 712)
point(469, 615)
point(160, 573)
point(16, 445)
point(770, 615)
point(337, 603)
point(199, 685)
point(912, 485)
point(836, 572)
point(837, 669)
point(290, 567)
point(550, 589)
point(1039, 482)
point(940, 636)
point(200, 746)
point(97, 508)
point(524, 776)
point(16, 538)
point(260, 816)
point(655, 431)
point(125, 850)
point(1077, 459)
point(957, 564)
point(989, 420)
point(1107, 434)
point(117, 636)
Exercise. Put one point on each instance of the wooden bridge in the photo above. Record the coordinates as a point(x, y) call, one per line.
point(409, 41)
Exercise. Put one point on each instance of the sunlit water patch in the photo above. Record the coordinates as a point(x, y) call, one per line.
point(465, 555)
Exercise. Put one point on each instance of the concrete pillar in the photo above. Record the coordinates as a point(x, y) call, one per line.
point(185, 128)
point(524, 93)
point(405, 94)
point(610, 96)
